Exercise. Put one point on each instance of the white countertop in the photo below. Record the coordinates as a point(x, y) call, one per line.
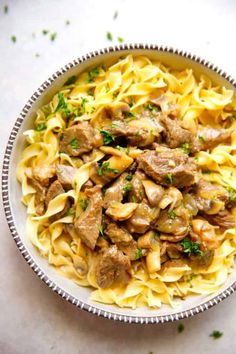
point(32, 318)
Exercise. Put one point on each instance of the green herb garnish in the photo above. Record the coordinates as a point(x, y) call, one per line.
point(150, 107)
point(180, 328)
point(128, 187)
point(45, 31)
point(109, 36)
point(131, 114)
point(231, 194)
point(40, 127)
point(216, 334)
point(123, 149)
point(53, 36)
point(190, 247)
point(13, 39)
point(62, 105)
point(83, 203)
point(206, 172)
point(101, 229)
point(131, 101)
point(71, 212)
point(104, 168)
point(67, 22)
point(138, 253)
point(186, 148)
point(133, 199)
point(120, 39)
point(201, 138)
point(74, 143)
point(82, 105)
point(115, 15)
point(37, 55)
point(169, 178)
point(71, 80)
point(5, 9)
point(108, 138)
point(171, 214)
point(92, 74)
point(129, 178)
point(155, 235)
point(61, 137)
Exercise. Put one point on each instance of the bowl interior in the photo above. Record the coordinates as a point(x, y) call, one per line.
point(80, 295)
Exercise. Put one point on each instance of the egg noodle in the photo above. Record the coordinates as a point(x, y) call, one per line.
point(132, 79)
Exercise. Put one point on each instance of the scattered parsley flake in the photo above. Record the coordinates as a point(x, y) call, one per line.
point(131, 102)
point(71, 80)
point(5, 9)
point(82, 105)
point(92, 74)
point(123, 149)
point(150, 107)
point(13, 39)
point(120, 39)
point(40, 127)
point(155, 235)
point(138, 253)
point(45, 32)
point(231, 194)
point(53, 36)
point(180, 328)
point(114, 94)
point(131, 114)
point(169, 178)
point(133, 199)
point(190, 247)
point(186, 148)
point(71, 212)
point(37, 55)
point(109, 36)
point(128, 187)
point(115, 15)
point(83, 203)
point(216, 334)
point(104, 168)
point(74, 143)
point(67, 22)
point(107, 137)
point(171, 214)
point(61, 137)
point(129, 178)
point(101, 230)
point(201, 138)
point(62, 105)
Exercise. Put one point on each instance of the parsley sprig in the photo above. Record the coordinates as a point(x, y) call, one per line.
point(108, 138)
point(191, 247)
point(104, 168)
point(62, 106)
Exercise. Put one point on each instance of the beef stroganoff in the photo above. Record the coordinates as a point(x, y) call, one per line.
point(129, 182)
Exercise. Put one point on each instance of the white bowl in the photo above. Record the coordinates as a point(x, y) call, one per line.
point(16, 212)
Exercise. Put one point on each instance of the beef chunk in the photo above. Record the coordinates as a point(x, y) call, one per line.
point(77, 139)
point(87, 224)
point(176, 136)
point(117, 234)
point(116, 191)
point(223, 219)
point(65, 175)
point(201, 261)
point(169, 166)
point(173, 250)
point(53, 191)
point(130, 249)
point(113, 268)
point(211, 137)
point(43, 174)
point(137, 193)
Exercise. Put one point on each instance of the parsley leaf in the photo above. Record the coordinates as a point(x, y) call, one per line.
point(128, 187)
point(171, 214)
point(201, 138)
point(5, 9)
point(13, 39)
point(74, 143)
point(120, 39)
point(45, 31)
point(40, 127)
point(150, 107)
point(67, 22)
point(190, 247)
point(186, 148)
point(231, 194)
point(92, 74)
point(71, 80)
point(104, 168)
point(62, 105)
point(83, 203)
point(180, 328)
point(71, 212)
point(109, 36)
point(82, 105)
point(138, 253)
point(115, 15)
point(101, 229)
point(216, 334)
point(53, 36)
point(107, 137)
point(123, 149)
point(169, 178)
point(129, 178)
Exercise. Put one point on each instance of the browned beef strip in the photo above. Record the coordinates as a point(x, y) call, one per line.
point(135, 136)
point(117, 233)
point(211, 137)
point(223, 219)
point(77, 139)
point(116, 191)
point(88, 223)
point(176, 136)
point(65, 175)
point(201, 261)
point(137, 192)
point(169, 166)
point(173, 250)
point(43, 174)
point(113, 268)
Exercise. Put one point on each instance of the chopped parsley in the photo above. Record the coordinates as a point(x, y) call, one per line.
point(128, 187)
point(133, 199)
point(169, 178)
point(186, 148)
point(231, 194)
point(45, 31)
point(101, 229)
point(92, 74)
point(150, 107)
point(201, 138)
point(40, 127)
point(191, 247)
point(104, 168)
point(123, 149)
point(82, 105)
point(155, 235)
point(131, 114)
point(138, 253)
point(71, 212)
point(206, 172)
point(62, 105)
point(216, 334)
point(131, 102)
point(37, 55)
point(120, 39)
point(129, 178)
point(115, 15)
point(107, 137)
point(109, 36)
point(5, 9)
point(83, 203)
point(53, 36)
point(67, 22)
point(71, 80)
point(13, 39)
point(61, 137)
point(74, 143)
point(180, 328)
point(171, 214)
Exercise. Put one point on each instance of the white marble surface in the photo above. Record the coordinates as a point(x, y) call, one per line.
point(32, 318)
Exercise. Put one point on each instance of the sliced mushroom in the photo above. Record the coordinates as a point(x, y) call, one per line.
point(119, 211)
point(80, 265)
point(153, 191)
